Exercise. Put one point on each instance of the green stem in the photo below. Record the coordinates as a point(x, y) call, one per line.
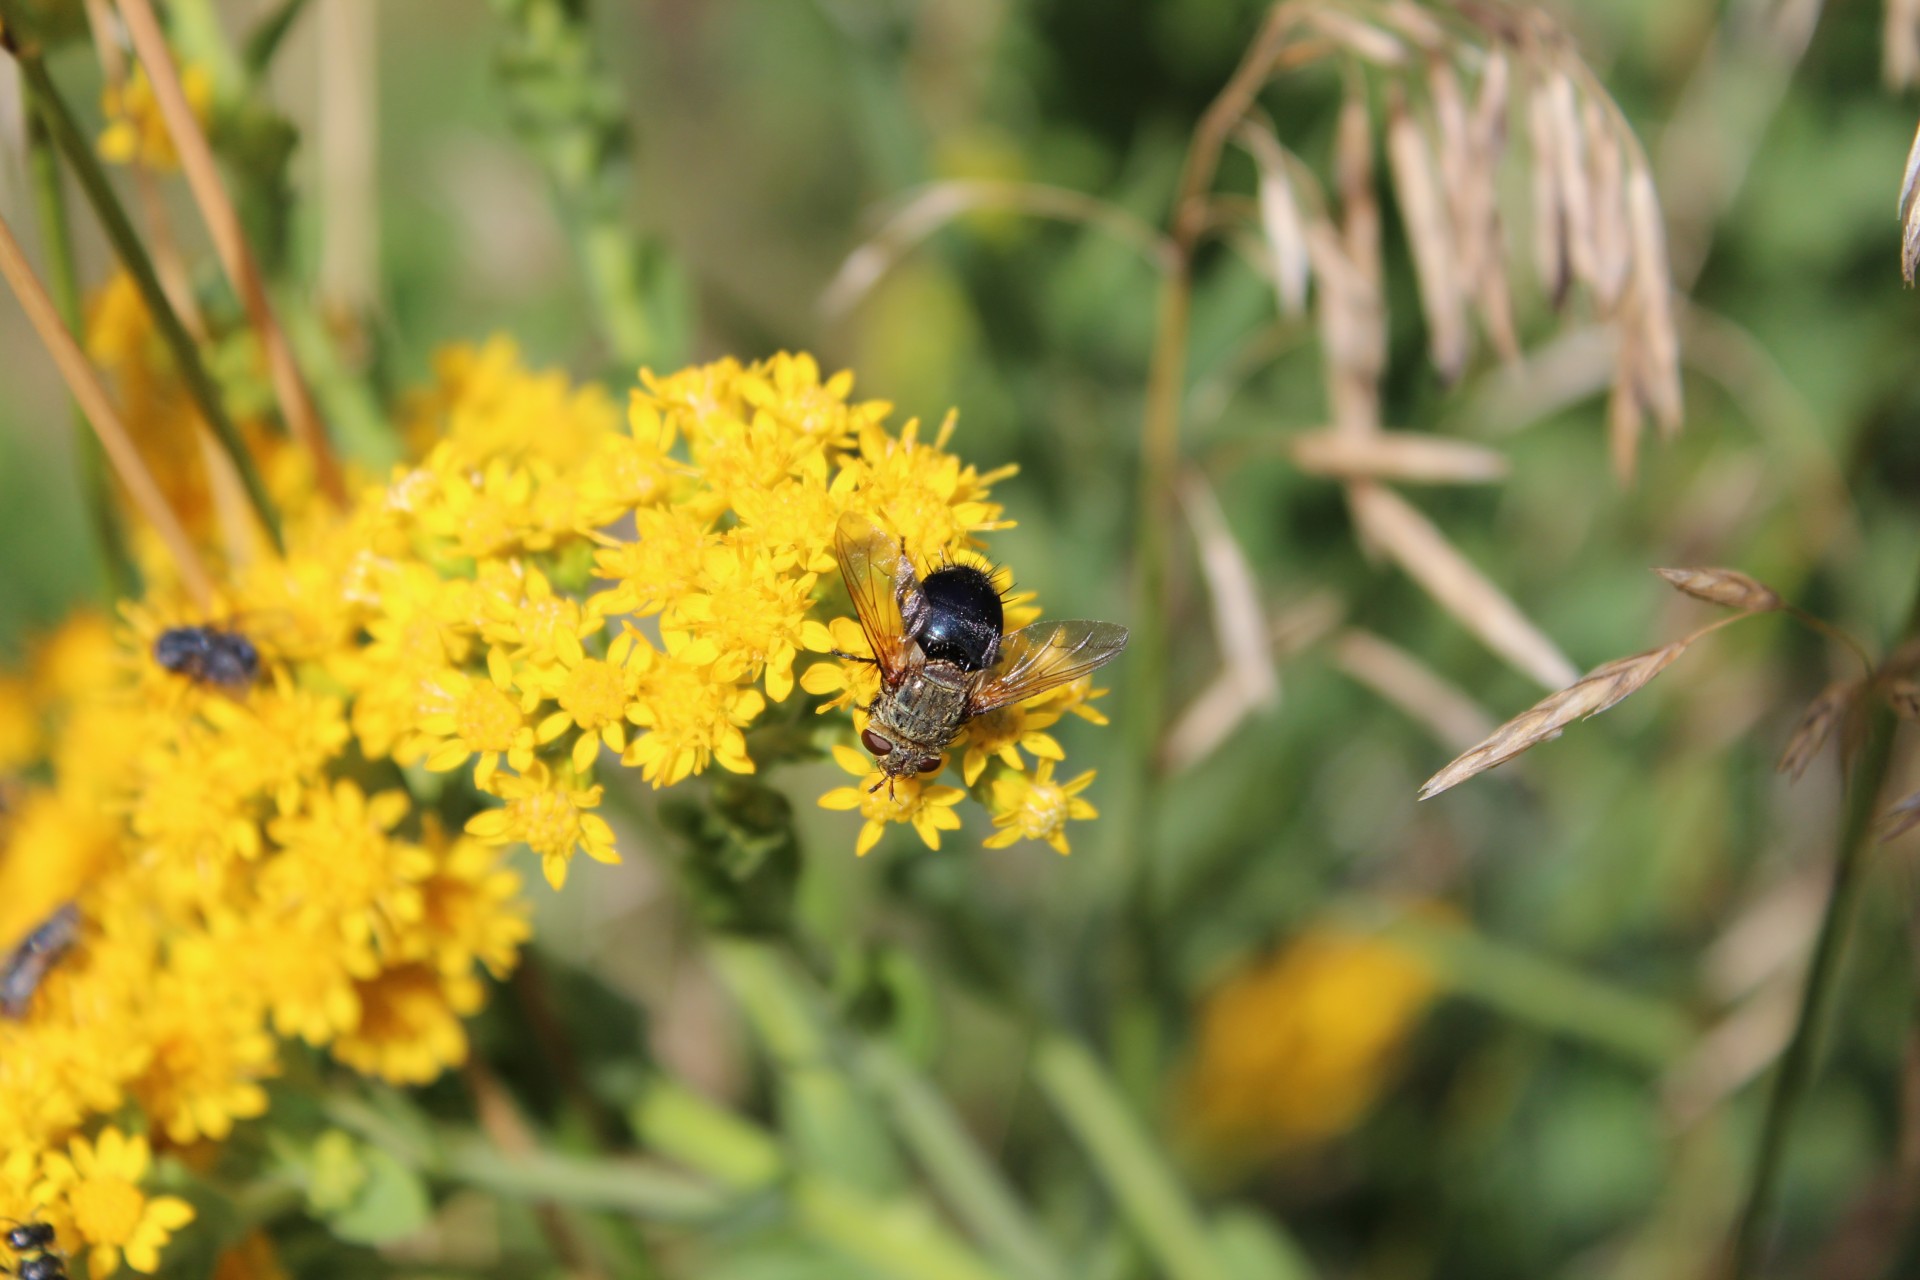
point(623, 1186)
point(1148, 1192)
point(569, 111)
point(95, 481)
point(1817, 998)
point(265, 39)
point(1540, 992)
point(958, 1169)
point(73, 146)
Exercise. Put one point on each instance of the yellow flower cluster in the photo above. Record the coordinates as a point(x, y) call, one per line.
point(135, 133)
point(316, 854)
point(1294, 1049)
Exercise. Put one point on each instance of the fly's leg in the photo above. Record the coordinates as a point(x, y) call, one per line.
point(854, 657)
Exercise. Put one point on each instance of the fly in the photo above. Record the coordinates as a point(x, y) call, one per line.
point(943, 657)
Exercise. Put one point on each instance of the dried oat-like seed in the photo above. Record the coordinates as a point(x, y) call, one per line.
point(1727, 587)
point(1430, 235)
point(1601, 688)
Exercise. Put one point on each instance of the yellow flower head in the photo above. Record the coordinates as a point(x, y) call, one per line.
point(880, 800)
point(93, 1189)
point(1035, 807)
point(549, 817)
point(409, 1029)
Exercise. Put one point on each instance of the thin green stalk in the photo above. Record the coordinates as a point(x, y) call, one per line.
point(74, 147)
point(954, 1163)
point(1147, 657)
point(1539, 992)
point(95, 481)
point(267, 35)
point(622, 1186)
point(899, 1237)
point(629, 1186)
point(569, 111)
point(1817, 998)
point(1149, 1193)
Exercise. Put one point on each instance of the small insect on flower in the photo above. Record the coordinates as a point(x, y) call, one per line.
point(941, 654)
point(36, 1239)
point(27, 964)
point(45, 1267)
point(29, 1237)
point(207, 655)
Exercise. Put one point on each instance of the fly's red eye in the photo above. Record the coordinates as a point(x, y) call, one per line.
point(875, 743)
point(930, 766)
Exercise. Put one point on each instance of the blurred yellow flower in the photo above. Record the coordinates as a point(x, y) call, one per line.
point(1294, 1048)
point(95, 1187)
point(549, 817)
point(135, 132)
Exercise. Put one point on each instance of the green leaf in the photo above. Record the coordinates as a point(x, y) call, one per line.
point(392, 1203)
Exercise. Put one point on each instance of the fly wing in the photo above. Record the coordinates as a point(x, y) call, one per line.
point(1045, 656)
point(871, 565)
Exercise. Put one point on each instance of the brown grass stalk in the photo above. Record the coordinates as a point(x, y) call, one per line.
point(1410, 457)
point(94, 402)
point(229, 241)
point(1392, 524)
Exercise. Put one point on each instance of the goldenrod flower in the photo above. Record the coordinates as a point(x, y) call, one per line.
point(409, 1029)
point(1035, 807)
point(594, 696)
point(929, 808)
point(549, 817)
point(96, 1188)
point(462, 717)
point(847, 682)
point(690, 720)
point(135, 131)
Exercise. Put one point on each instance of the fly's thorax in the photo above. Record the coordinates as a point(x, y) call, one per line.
point(921, 714)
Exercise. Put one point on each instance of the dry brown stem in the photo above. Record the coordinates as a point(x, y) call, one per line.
point(229, 241)
point(1389, 522)
point(94, 402)
point(1409, 456)
point(1447, 712)
point(1728, 587)
point(1430, 233)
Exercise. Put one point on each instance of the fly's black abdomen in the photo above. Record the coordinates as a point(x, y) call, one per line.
point(961, 619)
point(225, 659)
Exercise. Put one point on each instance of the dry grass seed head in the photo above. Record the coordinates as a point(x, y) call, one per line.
point(1910, 212)
point(1280, 220)
point(1822, 716)
point(1901, 818)
point(1904, 697)
point(1728, 587)
point(1547, 719)
point(1549, 210)
point(1430, 235)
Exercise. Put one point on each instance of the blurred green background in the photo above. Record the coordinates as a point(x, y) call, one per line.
point(1546, 1118)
